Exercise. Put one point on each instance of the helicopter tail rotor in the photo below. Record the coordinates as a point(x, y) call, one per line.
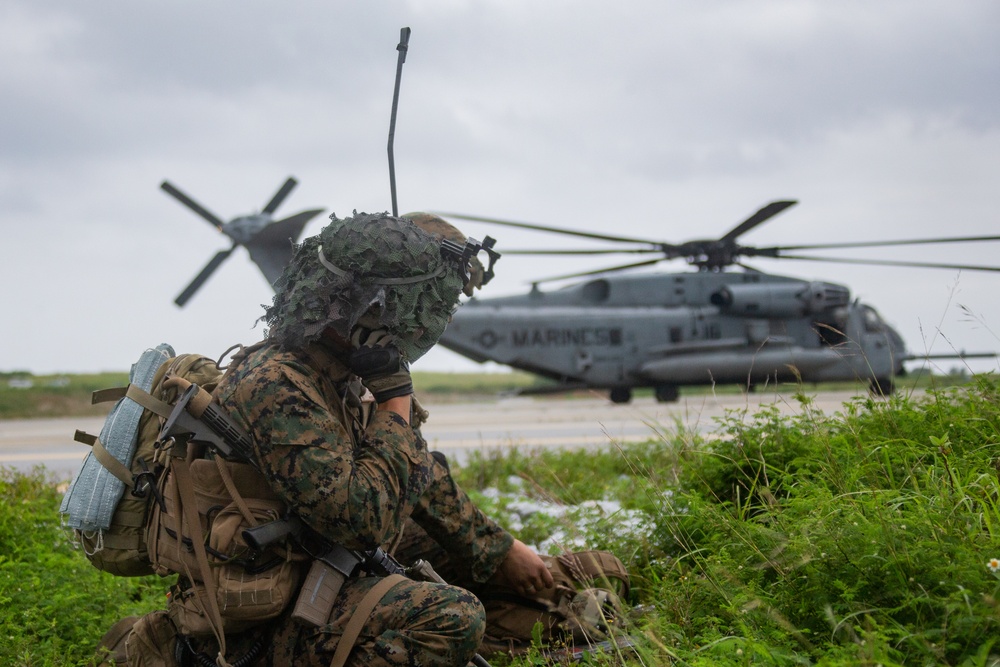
point(268, 241)
point(200, 279)
point(213, 219)
point(280, 195)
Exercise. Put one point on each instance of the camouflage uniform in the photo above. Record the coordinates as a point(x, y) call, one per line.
point(357, 476)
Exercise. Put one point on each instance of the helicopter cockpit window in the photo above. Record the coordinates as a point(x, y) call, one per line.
point(831, 332)
point(873, 323)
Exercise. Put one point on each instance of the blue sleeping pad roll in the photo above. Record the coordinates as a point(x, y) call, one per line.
point(93, 495)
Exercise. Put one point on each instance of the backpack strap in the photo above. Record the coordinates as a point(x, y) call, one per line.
point(364, 609)
point(234, 493)
point(189, 513)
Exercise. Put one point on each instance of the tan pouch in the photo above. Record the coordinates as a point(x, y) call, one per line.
point(246, 596)
point(248, 589)
point(581, 607)
point(173, 552)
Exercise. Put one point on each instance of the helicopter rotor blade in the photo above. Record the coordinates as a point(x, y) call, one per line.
point(874, 244)
point(890, 262)
point(765, 213)
point(607, 251)
point(553, 230)
point(167, 187)
point(204, 275)
point(610, 269)
point(280, 195)
point(717, 255)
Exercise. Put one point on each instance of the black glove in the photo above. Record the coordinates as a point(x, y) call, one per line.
point(377, 362)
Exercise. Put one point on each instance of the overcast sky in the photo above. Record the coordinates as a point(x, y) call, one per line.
point(652, 118)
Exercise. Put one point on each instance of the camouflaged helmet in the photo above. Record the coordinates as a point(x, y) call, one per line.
point(443, 230)
point(376, 269)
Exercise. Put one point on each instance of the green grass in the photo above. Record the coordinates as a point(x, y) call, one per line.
point(54, 606)
point(54, 395)
point(69, 395)
point(860, 538)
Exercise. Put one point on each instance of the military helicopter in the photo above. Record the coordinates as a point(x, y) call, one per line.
point(619, 331)
point(268, 241)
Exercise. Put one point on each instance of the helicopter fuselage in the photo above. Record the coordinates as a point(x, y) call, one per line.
point(670, 330)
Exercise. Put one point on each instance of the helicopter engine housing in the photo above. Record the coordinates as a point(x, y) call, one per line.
point(781, 300)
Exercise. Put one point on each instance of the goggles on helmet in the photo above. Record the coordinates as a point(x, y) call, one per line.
point(464, 254)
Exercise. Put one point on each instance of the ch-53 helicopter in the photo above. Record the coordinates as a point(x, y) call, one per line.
point(268, 241)
point(619, 331)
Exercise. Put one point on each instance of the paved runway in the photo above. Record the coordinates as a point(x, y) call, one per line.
point(459, 428)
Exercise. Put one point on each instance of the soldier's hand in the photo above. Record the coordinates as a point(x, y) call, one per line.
point(377, 362)
point(523, 571)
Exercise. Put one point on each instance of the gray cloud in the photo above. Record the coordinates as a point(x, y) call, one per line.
point(668, 120)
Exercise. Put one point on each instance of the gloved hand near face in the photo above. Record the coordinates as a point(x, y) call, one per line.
point(376, 360)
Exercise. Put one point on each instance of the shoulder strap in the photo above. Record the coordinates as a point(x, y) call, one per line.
point(360, 617)
point(234, 493)
point(189, 515)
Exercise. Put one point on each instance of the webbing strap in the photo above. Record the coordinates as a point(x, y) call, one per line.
point(137, 394)
point(234, 493)
point(365, 608)
point(106, 458)
point(107, 395)
point(148, 401)
point(121, 541)
point(85, 438)
point(189, 512)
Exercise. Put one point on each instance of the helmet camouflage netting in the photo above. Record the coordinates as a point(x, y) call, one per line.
point(383, 271)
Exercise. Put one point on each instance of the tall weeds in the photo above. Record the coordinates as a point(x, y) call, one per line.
point(866, 537)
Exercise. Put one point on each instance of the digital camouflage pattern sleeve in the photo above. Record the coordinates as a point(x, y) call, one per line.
point(475, 545)
point(354, 486)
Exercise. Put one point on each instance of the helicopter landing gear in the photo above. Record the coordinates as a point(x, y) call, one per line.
point(881, 387)
point(666, 393)
point(620, 395)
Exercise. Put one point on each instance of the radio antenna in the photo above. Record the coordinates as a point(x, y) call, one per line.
point(404, 41)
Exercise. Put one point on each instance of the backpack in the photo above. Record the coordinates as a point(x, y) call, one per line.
point(582, 608)
point(180, 510)
point(131, 456)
